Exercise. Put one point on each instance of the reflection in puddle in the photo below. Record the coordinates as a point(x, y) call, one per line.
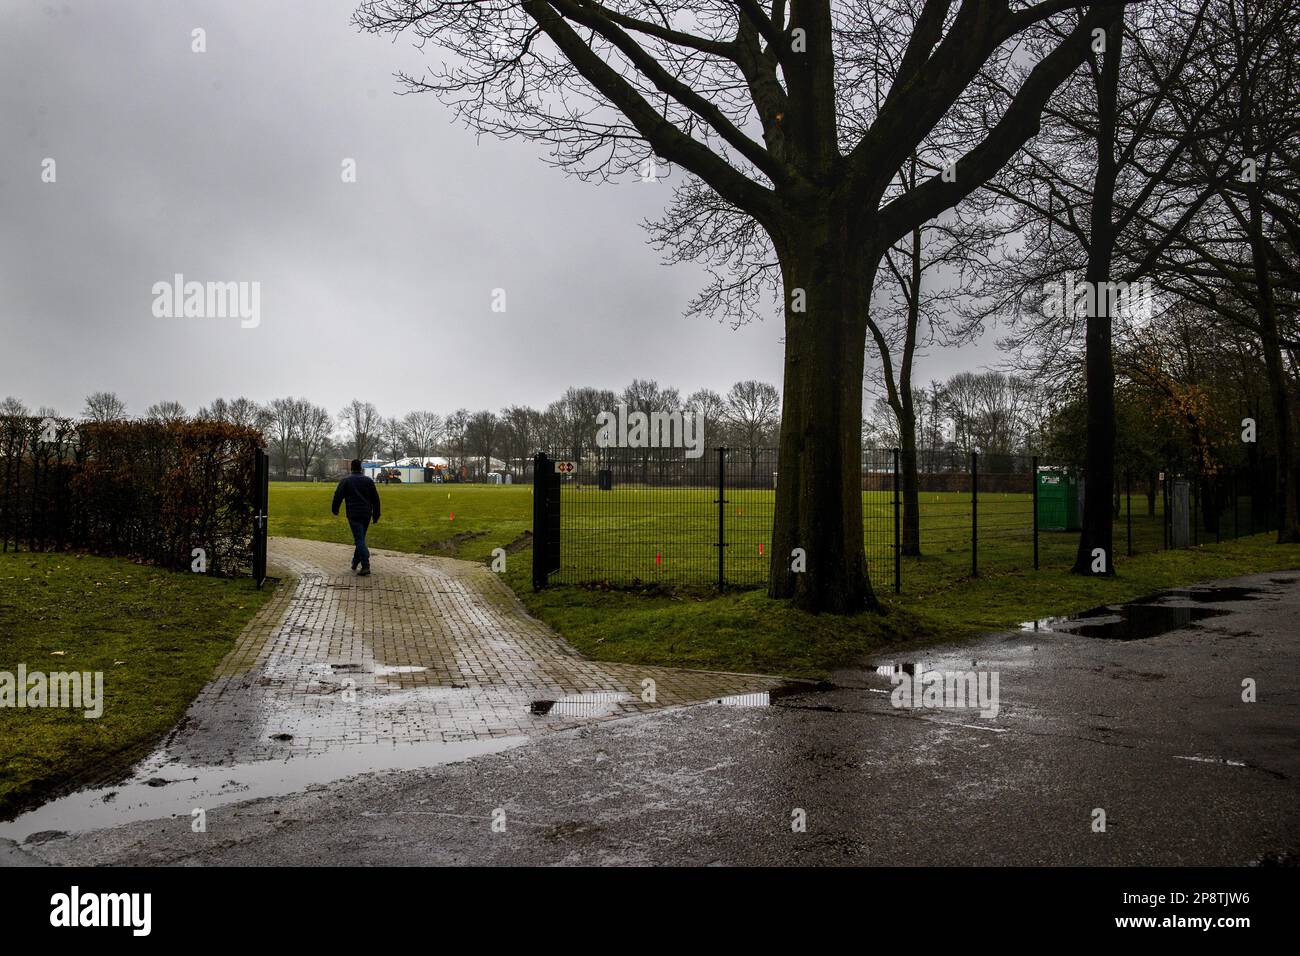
point(889, 670)
point(1220, 595)
point(1146, 616)
point(758, 699)
point(1125, 622)
point(384, 669)
point(162, 788)
point(598, 704)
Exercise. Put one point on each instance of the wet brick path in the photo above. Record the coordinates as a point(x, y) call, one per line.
point(424, 650)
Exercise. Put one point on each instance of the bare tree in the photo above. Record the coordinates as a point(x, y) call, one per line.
point(481, 435)
point(454, 436)
point(166, 412)
point(711, 408)
point(753, 414)
point(608, 89)
point(391, 439)
point(282, 415)
point(646, 396)
point(423, 432)
point(314, 424)
point(13, 407)
point(104, 407)
point(361, 423)
point(520, 434)
point(236, 411)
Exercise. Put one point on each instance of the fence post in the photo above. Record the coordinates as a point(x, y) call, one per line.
point(1164, 510)
point(1033, 484)
point(261, 485)
point(540, 473)
point(722, 516)
point(1235, 507)
point(1128, 508)
point(898, 543)
point(974, 514)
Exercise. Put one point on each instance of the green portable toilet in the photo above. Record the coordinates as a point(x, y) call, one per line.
point(1058, 500)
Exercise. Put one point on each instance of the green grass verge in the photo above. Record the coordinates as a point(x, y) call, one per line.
point(745, 631)
point(155, 635)
point(451, 520)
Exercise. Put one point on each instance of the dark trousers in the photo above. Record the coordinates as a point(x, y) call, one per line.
point(361, 555)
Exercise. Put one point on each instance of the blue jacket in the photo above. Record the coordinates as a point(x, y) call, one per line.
point(362, 498)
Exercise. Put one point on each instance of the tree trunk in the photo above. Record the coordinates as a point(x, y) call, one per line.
point(1099, 461)
point(819, 480)
point(1288, 521)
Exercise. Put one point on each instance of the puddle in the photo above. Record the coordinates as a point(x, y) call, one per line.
point(889, 670)
point(598, 704)
point(757, 699)
point(1125, 622)
point(1222, 595)
point(1224, 761)
point(1147, 616)
point(162, 788)
point(382, 670)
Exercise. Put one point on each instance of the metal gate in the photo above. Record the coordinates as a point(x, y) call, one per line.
point(261, 496)
point(546, 520)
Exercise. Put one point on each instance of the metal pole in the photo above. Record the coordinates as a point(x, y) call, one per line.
point(1164, 511)
point(540, 474)
point(722, 515)
point(1033, 479)
point(974, 514)
point(898, 546)
point(1235, 508)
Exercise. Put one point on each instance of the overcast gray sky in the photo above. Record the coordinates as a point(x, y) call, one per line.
point(225, 166)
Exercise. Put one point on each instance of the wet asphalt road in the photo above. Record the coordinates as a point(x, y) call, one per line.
point(1154, 732)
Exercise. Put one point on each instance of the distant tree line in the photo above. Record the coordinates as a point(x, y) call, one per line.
point(306, 440)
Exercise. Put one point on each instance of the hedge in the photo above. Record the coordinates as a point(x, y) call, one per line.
point(150, 490)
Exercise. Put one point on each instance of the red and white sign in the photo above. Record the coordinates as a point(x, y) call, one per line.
point(565, 467)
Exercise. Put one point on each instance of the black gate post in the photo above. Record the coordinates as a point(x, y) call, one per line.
point(545, 525)
point(722, 516)
point(261, 501)
point(898, 544)
point(974, 514)
point(1033, 480)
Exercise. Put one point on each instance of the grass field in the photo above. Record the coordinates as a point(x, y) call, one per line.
point(668, 536)
point(155, 635)
point(743, 630)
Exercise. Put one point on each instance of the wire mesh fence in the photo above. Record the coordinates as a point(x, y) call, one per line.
point(645, 516)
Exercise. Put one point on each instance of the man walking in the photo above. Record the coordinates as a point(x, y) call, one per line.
point(362, 499)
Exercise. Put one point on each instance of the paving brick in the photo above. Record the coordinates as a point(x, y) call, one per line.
point(424, 649)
